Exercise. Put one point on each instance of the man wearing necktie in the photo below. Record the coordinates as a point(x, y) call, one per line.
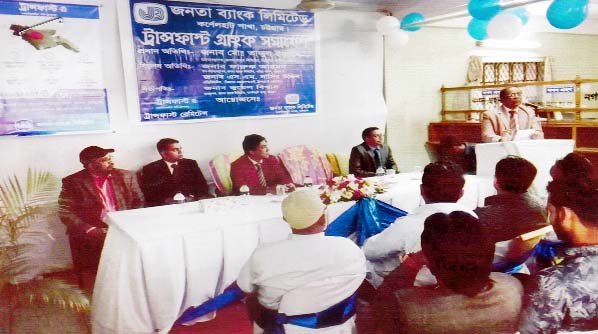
point(370, 155)
point(257, 169)
point(164, 178)
point(501, 124)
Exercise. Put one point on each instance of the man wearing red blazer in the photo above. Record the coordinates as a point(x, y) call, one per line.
point(257, 169)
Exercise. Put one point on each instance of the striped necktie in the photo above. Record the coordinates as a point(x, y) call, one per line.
point(260, 174)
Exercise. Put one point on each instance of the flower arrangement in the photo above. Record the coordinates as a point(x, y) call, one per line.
point(349, 188)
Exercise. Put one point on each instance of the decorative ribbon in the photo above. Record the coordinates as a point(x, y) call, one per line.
point(231, 294)
point(366, 218)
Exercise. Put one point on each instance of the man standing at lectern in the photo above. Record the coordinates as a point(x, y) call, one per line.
point(501, 124)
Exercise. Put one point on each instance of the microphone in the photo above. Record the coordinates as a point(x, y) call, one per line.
point(532, 105)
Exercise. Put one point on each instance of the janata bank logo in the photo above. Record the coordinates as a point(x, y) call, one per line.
point(150, 13)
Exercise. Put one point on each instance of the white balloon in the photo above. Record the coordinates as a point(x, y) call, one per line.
point(387, 24)
point(399, 37)
point(504, 26)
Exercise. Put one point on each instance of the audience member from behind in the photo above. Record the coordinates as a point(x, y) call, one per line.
point(468, 297)
point(163, 179)
point(573, 165)
point(257, 169)
point(441, 188)
point(501, 124)
point(322, 271)
point(513, 211)
point(87, 196)
point(370, 155)
point(451, 149)
point(564, 298)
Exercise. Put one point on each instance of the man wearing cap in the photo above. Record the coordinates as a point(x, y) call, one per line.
point(164, 178)
point(324, 271)
point(87, 196)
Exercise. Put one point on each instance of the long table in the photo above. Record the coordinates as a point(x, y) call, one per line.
point(158, 261)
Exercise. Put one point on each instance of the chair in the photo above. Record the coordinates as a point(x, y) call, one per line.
point(302, 161)
point(336, 171)
point(343, 163)
point(516, 251)
point(323, 293)
point(220, 170)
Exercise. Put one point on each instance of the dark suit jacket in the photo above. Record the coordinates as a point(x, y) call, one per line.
point(361, 162)
point(159, 185)
point(243, 172)
point(507, 216)
point(81, 206)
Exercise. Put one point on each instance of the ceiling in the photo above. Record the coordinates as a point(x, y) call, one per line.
point(433, 9)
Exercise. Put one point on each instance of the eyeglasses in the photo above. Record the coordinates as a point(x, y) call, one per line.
point(510, 95)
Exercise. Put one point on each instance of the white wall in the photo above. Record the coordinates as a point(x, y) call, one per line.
point(349, 98)
point(439, 56)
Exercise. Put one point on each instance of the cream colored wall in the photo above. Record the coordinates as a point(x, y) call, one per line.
point(438, 56)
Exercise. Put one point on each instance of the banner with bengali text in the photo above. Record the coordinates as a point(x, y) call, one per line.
point(201, 61)
point(50, 69)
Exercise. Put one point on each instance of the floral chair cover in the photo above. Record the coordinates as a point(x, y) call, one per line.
point(302, 161)
point(220, 170)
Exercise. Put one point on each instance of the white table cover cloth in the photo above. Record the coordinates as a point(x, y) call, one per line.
point(159, 261)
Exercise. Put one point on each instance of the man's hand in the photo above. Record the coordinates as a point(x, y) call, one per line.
point(290, 187)
point(505, 136)
point(537, 135)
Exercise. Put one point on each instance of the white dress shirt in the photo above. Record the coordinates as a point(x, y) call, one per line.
point(305, 274)
point(384, 250)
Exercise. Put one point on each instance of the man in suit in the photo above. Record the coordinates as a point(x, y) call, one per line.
point(368, 156)
point(501, 124)
point(164, 178)
point(257, 169)
point(87, 196)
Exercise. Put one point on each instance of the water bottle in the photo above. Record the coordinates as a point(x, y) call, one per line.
point(380, 171)
point(244, 190)
point(307, 182)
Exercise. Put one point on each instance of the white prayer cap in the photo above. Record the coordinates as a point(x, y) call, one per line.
point(302, 208)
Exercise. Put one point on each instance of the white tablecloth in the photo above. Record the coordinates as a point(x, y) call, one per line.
point(542, 153)
point(159, 261)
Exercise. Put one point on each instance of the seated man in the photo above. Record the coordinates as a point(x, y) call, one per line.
point(501, 124)
point(573, 165)
point(370, 155)
point(257, 169)
point(441, 188)
point(564, 297)
point(332, 268)
point(468, 297)
point(164, 178)
point(87, 196)
point(513, 211)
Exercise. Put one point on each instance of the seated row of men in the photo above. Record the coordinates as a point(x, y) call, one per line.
point(465, 293)
point(89, 194)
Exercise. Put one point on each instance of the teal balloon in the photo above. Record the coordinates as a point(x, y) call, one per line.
point(567, 14)
point(412, 18)
point(521, 13)
point(477, 29)
point(483, 9)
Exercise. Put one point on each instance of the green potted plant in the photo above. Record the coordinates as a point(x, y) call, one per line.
point(22, 205)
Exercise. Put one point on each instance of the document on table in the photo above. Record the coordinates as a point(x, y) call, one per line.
point(524, 134)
